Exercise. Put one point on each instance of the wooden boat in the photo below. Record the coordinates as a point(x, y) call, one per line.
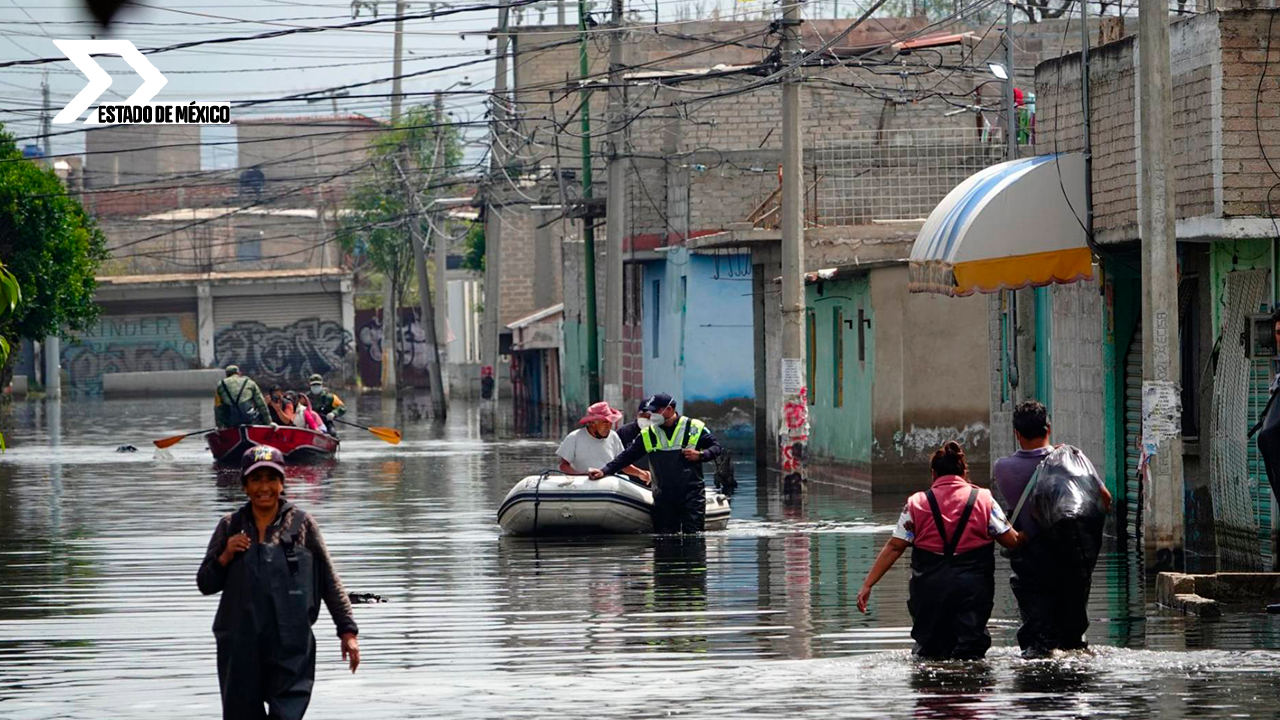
point(297, 444)
point(556, 504)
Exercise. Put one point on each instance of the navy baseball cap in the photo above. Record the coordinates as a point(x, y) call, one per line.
point(657, 403)
point(260, 456)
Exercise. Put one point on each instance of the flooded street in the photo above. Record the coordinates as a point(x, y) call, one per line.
point(100, 616)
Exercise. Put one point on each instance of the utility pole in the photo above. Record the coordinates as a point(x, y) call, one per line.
point(1010, 111)
point(588, 228)
point(795, 404)
point(52, 346)
point(440, 317)
point(493, 227)
point(389, 356)
point(1162, 527)
point(616, 218)
point(420, 263)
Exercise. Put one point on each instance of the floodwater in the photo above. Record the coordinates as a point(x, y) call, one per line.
point(100, 616)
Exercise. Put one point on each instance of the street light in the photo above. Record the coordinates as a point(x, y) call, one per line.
point(998, 70)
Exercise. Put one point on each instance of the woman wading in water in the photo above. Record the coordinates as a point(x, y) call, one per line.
point(952, 528)
point(272, 568)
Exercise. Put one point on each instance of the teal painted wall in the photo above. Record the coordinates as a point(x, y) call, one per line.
point(573, 368)
point(840, 427)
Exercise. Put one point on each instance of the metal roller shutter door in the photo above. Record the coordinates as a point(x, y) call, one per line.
point(1131, 487)
point(276, 311)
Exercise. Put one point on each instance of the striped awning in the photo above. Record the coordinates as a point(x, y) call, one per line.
point(1013, 225)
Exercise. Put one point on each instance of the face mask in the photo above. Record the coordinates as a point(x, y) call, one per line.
point(316, 387)
point(645, 422)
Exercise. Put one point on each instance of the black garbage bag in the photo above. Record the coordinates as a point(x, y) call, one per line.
point(1068, 488)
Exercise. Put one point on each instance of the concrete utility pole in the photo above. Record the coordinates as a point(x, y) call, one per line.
point(441, 289)
point(588, 222)
point(617, 218)
point(1162, 529)
point(389, 356)
point(438, 399)
point(1010, 109)
point(493, 227)
point(52, 345)
point(794, 437)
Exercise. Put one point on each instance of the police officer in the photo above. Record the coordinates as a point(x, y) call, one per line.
point(676, 449)
point(238, 401)
point(323, 400)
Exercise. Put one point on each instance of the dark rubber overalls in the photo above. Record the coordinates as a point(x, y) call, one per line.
point(679, 503)
point(951, 595)
point(1051, 577)
point(266, 650)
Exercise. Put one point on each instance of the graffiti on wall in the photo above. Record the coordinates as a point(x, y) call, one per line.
point(411, 347)
point(130, 343)
point(287, 355)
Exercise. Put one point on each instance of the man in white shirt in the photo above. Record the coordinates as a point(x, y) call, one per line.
point(595, 444)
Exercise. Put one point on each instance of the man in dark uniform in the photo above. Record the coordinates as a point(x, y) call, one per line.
point(676, 449)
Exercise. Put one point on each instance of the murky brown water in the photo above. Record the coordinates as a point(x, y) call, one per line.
point(100, 616)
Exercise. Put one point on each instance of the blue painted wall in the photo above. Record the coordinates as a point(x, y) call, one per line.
point(698, 328)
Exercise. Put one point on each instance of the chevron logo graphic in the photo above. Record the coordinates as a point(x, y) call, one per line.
point(137, 109)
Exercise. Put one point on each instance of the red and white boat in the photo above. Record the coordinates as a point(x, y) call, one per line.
point(297, 444)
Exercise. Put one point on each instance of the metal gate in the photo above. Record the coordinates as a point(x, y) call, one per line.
point(282, 339)
point(1131, 489)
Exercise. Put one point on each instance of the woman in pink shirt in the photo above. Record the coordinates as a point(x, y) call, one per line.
point(952, 527)
point(305, 417)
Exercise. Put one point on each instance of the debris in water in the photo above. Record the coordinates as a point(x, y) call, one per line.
point(126, 448)
point(361, 598)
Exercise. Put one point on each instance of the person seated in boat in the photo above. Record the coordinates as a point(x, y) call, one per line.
point(281, 406)
point(306, 418)
point(238, 401)
point(325, 402)
point(952, 528)
point(595, 444)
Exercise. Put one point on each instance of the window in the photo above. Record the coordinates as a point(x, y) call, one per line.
point(811, 342)
point(837, 358)
point(657, 313)
point(249, 247)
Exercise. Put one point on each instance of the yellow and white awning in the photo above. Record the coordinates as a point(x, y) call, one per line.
point(1013, 225)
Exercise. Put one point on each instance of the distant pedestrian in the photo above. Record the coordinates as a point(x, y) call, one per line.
point(273, 569)
point(676, 447)
point(951, 528)
point(1050, 577)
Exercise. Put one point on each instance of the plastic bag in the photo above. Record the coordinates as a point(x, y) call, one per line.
point(1068, 488)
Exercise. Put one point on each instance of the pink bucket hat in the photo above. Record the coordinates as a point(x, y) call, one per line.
point(601, 411)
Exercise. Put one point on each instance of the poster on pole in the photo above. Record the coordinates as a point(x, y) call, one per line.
point(792, 376)
point(1161, 414)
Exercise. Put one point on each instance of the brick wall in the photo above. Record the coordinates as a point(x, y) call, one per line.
point(1246, 177)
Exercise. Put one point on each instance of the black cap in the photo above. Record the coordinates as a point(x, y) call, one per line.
point(657, 403)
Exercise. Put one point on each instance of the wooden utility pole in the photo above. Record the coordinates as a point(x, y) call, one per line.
point(795, 405)
point(1162, 528)
point(617, 218)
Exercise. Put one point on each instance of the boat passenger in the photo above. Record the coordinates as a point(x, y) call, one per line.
point(676, 449)
point(629, 432)
point(238, 401)
point(281, 406)
point(273, 569)
point(306, 418)
point(325, 402)
point(595, 444)
point(951, 527)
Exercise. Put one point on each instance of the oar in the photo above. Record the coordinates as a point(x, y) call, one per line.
point(385, 434)
point(171, 441)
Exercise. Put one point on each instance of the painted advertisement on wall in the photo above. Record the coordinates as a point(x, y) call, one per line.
point(130, 343)
point(287, 355)
point(411, 347)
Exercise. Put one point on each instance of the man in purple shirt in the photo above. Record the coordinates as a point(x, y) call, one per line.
point(1051, 600)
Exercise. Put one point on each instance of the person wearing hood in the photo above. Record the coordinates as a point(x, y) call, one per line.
point(677, 447)
point(325, 402)
point(594, 444)
point(273, 569)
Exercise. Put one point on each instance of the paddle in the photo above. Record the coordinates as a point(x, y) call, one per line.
point(385, 434)
point(171, 441)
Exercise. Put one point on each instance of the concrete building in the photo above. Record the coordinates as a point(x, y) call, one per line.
point(117, 155)
point(278, 326)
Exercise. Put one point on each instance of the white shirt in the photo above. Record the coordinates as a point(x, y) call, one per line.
point(583, 451)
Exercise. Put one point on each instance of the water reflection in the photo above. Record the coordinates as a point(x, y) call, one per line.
point(98, 552)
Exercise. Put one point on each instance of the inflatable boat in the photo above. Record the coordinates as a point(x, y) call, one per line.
point(555, 504)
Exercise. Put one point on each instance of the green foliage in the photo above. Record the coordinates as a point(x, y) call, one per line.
point(50, 248)
point(473, 248)
point(417, 158)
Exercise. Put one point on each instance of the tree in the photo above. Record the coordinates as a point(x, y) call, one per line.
point(376, 230)
point(473, 248)
point(51, 247)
